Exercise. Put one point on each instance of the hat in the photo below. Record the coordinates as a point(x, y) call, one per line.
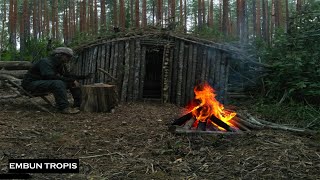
point(63, 50)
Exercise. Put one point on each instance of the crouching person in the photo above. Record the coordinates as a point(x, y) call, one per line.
point(51, 75)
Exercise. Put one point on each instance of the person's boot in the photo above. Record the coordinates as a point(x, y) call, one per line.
point(70, 111)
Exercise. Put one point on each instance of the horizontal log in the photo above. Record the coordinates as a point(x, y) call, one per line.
point(181, 130)
point(15, 73)
point(15, 65)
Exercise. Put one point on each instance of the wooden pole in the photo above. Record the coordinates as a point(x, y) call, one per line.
point(180, 66)
point(126, 72)
point(137, 61)
point(142, 70)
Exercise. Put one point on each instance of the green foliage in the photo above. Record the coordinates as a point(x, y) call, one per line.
point(34, 50)
point(294, 57)
point(291, 113)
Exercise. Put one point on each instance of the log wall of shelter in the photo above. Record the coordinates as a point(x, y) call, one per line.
point(185, 64)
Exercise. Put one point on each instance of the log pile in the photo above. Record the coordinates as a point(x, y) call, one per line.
point(243, 122)
point(16, 69)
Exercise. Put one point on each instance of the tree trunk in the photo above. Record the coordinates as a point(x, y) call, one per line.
point(199, 15)
point(144, 14)
point(122, 16)
point(137, 14)
point(225, 21)
point(258, 21)
point(265, 23)
point(210, 19)
point(115, 14)
point(99, 98)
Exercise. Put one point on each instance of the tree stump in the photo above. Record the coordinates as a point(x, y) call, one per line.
point(99, 98)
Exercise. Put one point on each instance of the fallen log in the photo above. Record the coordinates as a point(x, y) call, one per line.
point(181, 130)
point(15, 65)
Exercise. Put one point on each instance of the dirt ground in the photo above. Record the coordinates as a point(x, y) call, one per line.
point(134, 143)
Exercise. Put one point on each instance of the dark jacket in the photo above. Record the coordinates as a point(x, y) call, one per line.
point(49, 69)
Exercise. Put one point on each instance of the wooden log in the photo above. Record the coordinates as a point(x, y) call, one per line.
point(108, 53)
point(174, 73)
point(99, 57)
point(81, 66)
point(204, 64)
point(239, 125)
point(142, 70)
point(131, 71)
point(137, 61)
point(170, 73)
point(112, 58)
point(16, 73)
point(222, 77)
point(217, 72)
point(183, 119)
point(102, 63)
point(120, 67)
point(180, 73)
point(226, 83)
point(212, 67)
point(99, 98)
point(199, 64)
point(126, 72)
point(181, 130)
point(207, 68)
point(165, 75)
point(220, 123)
point(184, 75)
point(94, 65)
point(194, 66)
point(189, 123)
point(115, 60)
point(15, 65)
point(189, 88)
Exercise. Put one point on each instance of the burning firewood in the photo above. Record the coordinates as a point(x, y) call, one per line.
point(206, 115)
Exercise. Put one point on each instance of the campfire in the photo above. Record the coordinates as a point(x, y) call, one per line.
point(206, 113)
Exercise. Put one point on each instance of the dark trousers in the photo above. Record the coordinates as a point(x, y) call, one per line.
point(59, 90)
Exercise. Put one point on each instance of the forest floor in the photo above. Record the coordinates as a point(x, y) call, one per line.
point(134, 143)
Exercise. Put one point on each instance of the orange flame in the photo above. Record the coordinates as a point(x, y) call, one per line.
point(209, 106)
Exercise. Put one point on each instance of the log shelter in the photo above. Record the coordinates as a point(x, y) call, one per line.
point(162, 66)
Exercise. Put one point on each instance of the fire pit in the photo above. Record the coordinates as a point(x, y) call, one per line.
point(207, 115)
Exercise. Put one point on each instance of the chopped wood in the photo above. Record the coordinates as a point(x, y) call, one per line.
point(220, 123)
point(183, 119)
